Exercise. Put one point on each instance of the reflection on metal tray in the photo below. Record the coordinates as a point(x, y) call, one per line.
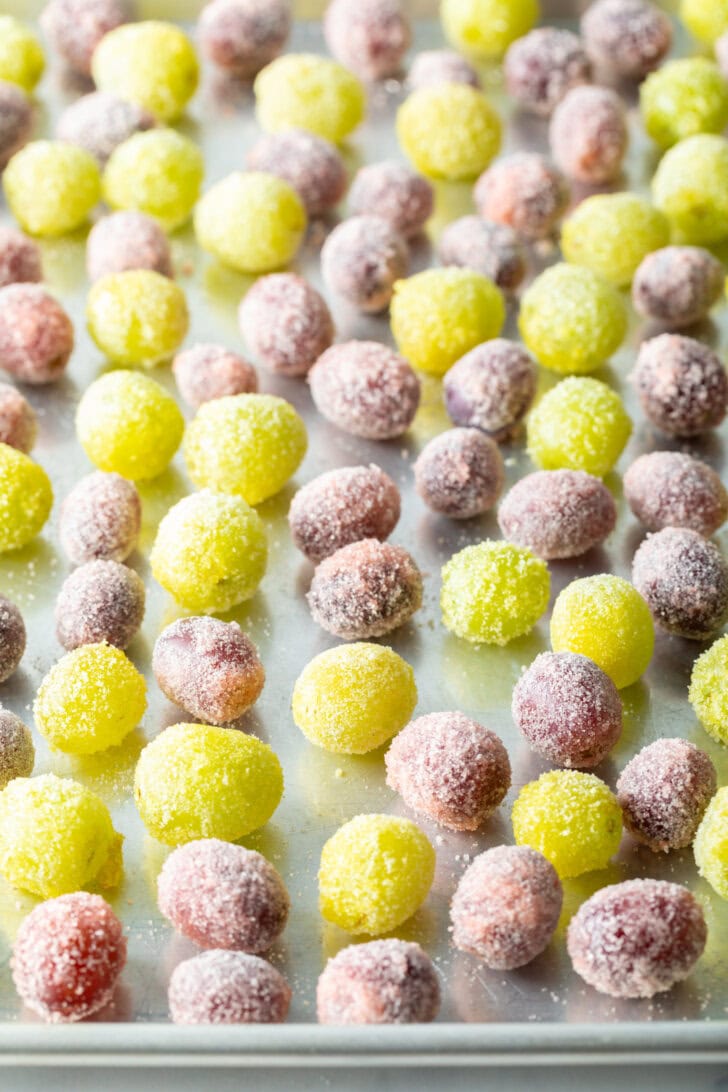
point(542, 1012)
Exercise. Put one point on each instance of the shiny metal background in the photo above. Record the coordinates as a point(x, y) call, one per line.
point(542, 1012)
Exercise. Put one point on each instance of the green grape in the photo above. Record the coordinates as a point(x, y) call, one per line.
point(158, 172)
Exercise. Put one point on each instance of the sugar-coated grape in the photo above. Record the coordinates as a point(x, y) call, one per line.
point(309, 163)
point(492, 249)
point(626, 38)
point(612, 233)
point(432, 66)
point(708, 691)
point(580, 424)
point(17, 753)
point(370, 37)
point(20, 258)
point(558, 513)
point(542, 66)
point(204, 372)
point(436, 148)
point(711, 843)
point(305, 91)
point(684, 580)
point(21, 54)
point(491, 388)
point(366, 389)
point(12, 638)
point(286, 323)
point(684, 97)
point(706, 19)
point(525, 192)
point(51, 187)
point(75, 27)
point(151, 63)
point(222, 987)
point(99, 601)
point(682, 384)
point(26, 498)
point(158, 172)
point(36, 334)
point(380, 982)
point(242, 36)
point(124, 241)
point(460, 473)
point(588, 134)
point(673, 489)
point(362, 259)
point(100, 122)
point(395, 192)
point(18, 422)
point(16, 121)
point(485, 28)
point(137, 317)
point(690, 186)
point(100, 518)
point(678, 285)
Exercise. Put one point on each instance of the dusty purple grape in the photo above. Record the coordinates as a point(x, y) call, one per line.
point(286, 323)
point(684, 580)
point(491, 388)
point(127, 240)
point(492, 249)
point(20, 258)
point(543, 66)
point(588, 135)
point(673, 489)
point(682, 385)
point(361, 259)
point(434, 66)
point(678, 285)
point(204, 372)
point(100, 519)
point(36, 334)
point(99, 601)
point(627, 38)
point(525, 192)
point(75, 27)
point(17, 753)
point(558, 513)
point(224, 987)
point(370, 37)
point(309, 163)
point(382, 982)
point(396, 193)
point(365, 389)
point(12, 638)
point(243, 36)
point(100, 122)
point(460, 473)
point(18, 423)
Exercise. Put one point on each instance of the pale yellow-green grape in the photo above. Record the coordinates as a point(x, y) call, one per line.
point(51, 187)
point(90, 700)
point(201, 781)
point(439, 314)
point(485, 28)
point(56, 836)
point(246, 444)
point(709, 689)
point(151, 63)
point(605, 618)
point(353, 698)
point(21, 54)
point(305, 91)
point(128, 424)
point(610, 234)
point(251, 221)
point(493, 592)
point(137, 317)
point(210, 552)
point(691, 187)
point(158, 172)
point(375, 872)
point(572, 818)
point(682, 98)
point(572, 319)
point(580, 424)
point(711, 844)
point(26, 498)
point(706, 19)
point(448, 130)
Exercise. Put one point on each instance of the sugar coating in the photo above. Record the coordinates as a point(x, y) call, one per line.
point(612, 233)
point(492, 249)
point(245, 444)
point(21, 54)
point(433, 66)
point(16, 121)
point(12, 638)
point(99, 601)
point(353, 698)
point(220, 895)
point(588, 134)
point(605, 618)
point(242, 36)
point(628, 38)
point(396, 193)
point(361, 260)
point(342, 506)
point(568, 709)
point(370, 37)
point(20, 258)
point(18, 423)
point(375, 871)
point(221, 987)
point(678, 285)
point(100, 518)
point(99, 122)
point(493, 592)
point(251, 221)
point(684, 580)
point(36, 334)
point(128, 424)
point(558, 513)
point(210, 552)
point(711, 844)
point(75, 27)
point(379, 982)
point(573, 319)
point(51, 187)
point(158, 172)
point(637, 938)
point(439, 314)
point(580, 424)
point(460, 473)
point(684, 97)
point(366, 389)
point(67, 957)
point(672, 489)
point(56, 836)
point(542, 66)
point(690, 186)
point(17, 753)
point(506, 906)
point(572, 818)
point(708, 693)
point(682, 384)
point(365, 589)
point(434, 146)
point(449, 768)
point(90, 699)
point(150, 63)
point(204, 372)
point(305, 91)
point(705, 19)
point(309, 163)
point(124, 241)
point(26, 498)
point(525, 192)
point(664, 791)
point(286, 323)
point(485, 28)
point(491, 388)
point(200, 781)
point(137, 317)
point(211, 669)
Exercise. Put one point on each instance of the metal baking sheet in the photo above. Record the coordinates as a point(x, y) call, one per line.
point(540, 1013)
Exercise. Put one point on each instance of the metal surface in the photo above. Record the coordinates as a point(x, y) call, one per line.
point(542, 1012)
